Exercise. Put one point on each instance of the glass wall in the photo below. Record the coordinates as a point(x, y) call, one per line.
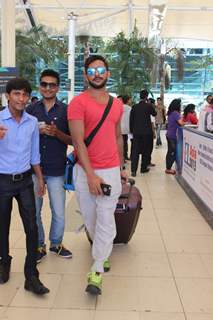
point(196, 84)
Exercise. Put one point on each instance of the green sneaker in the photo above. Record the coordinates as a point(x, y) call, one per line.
point(94, 281)
point(106, 265)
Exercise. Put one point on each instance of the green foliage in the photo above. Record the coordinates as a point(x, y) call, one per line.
point(130, 62)
point(203, 62)
point(96, 44)
point(35, 47)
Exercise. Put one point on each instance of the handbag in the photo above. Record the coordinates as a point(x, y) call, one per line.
point(72, 158)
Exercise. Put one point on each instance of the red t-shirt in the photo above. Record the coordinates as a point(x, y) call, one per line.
point(191, 118)
point(103, 150)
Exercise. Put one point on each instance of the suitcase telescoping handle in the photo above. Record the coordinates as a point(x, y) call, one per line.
point(125, 207)
point(131, 182)
point(128, 180)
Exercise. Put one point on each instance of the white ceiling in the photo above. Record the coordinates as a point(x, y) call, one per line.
point(189, 19)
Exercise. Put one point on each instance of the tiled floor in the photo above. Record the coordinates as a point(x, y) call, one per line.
point(164, 273)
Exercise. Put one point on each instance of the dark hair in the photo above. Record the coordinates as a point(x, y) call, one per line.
point(209, 95)
point(189, 108)
point(175, 105)
point(159, 98)
point(18, 84)
point(144, 94)
point(93, 58)
point(151, 100)
point(34, 98)
point(125, 98)
point(50, 73)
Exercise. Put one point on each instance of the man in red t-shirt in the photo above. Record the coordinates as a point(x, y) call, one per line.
point(97, 164)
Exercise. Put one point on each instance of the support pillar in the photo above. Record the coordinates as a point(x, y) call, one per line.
point(71, 54)
point(130, 18)
point(157, 12)
point(8, 54)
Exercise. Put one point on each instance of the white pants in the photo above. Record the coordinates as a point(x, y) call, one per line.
point(98, 212)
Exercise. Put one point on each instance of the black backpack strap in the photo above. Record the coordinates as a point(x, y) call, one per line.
point(2, 108)
point(90, 137)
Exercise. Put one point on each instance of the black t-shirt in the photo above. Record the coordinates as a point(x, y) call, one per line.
point(140, 118)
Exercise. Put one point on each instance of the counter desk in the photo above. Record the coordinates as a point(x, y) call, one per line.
point(194, 163)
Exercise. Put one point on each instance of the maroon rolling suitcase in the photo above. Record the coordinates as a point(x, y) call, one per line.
point(127, 212)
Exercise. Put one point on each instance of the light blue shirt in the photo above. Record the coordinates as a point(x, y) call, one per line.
point(19, 149)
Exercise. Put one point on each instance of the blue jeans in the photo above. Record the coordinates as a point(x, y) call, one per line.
point(56, 195)
point(158, 137)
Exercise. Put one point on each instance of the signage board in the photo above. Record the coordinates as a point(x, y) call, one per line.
point(6, 73)
point(197, 169)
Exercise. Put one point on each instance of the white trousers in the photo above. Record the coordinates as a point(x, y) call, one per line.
point(98, 212)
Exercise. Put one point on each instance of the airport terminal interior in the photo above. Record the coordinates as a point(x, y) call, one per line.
point(165, 272)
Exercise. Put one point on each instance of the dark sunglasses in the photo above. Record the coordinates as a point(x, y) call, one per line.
point(99, 70)
point(51, 85)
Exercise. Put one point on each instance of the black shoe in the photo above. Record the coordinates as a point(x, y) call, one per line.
point(133, 174)
point(4, 272)
point(145, 170)
point(152, 164)
point(36, 286)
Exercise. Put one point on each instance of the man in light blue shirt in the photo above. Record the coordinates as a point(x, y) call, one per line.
point(19, 150)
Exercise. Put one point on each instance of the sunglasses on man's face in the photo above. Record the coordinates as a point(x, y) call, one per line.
point(99, 70)
point(51, 85)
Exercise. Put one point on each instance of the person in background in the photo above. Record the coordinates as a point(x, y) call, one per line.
point(34, 99)
point(152, 101)
point(189, 114)
point(125, 123)
point(141, 128)
point(174, 121)
point(54, 139)
point(159, 120)
point(209, 118)
point(206, 108)
point(208, 101)
point(19, 150)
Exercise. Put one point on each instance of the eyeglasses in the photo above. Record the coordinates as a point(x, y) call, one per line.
point(51, 85)
point(92, 71)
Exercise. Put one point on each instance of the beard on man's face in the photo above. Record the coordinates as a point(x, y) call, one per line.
point(48, 96)
point(97, 85)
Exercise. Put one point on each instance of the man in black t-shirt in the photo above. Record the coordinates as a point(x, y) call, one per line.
point(141, 128)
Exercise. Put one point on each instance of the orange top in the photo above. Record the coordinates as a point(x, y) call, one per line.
point(103, 150)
